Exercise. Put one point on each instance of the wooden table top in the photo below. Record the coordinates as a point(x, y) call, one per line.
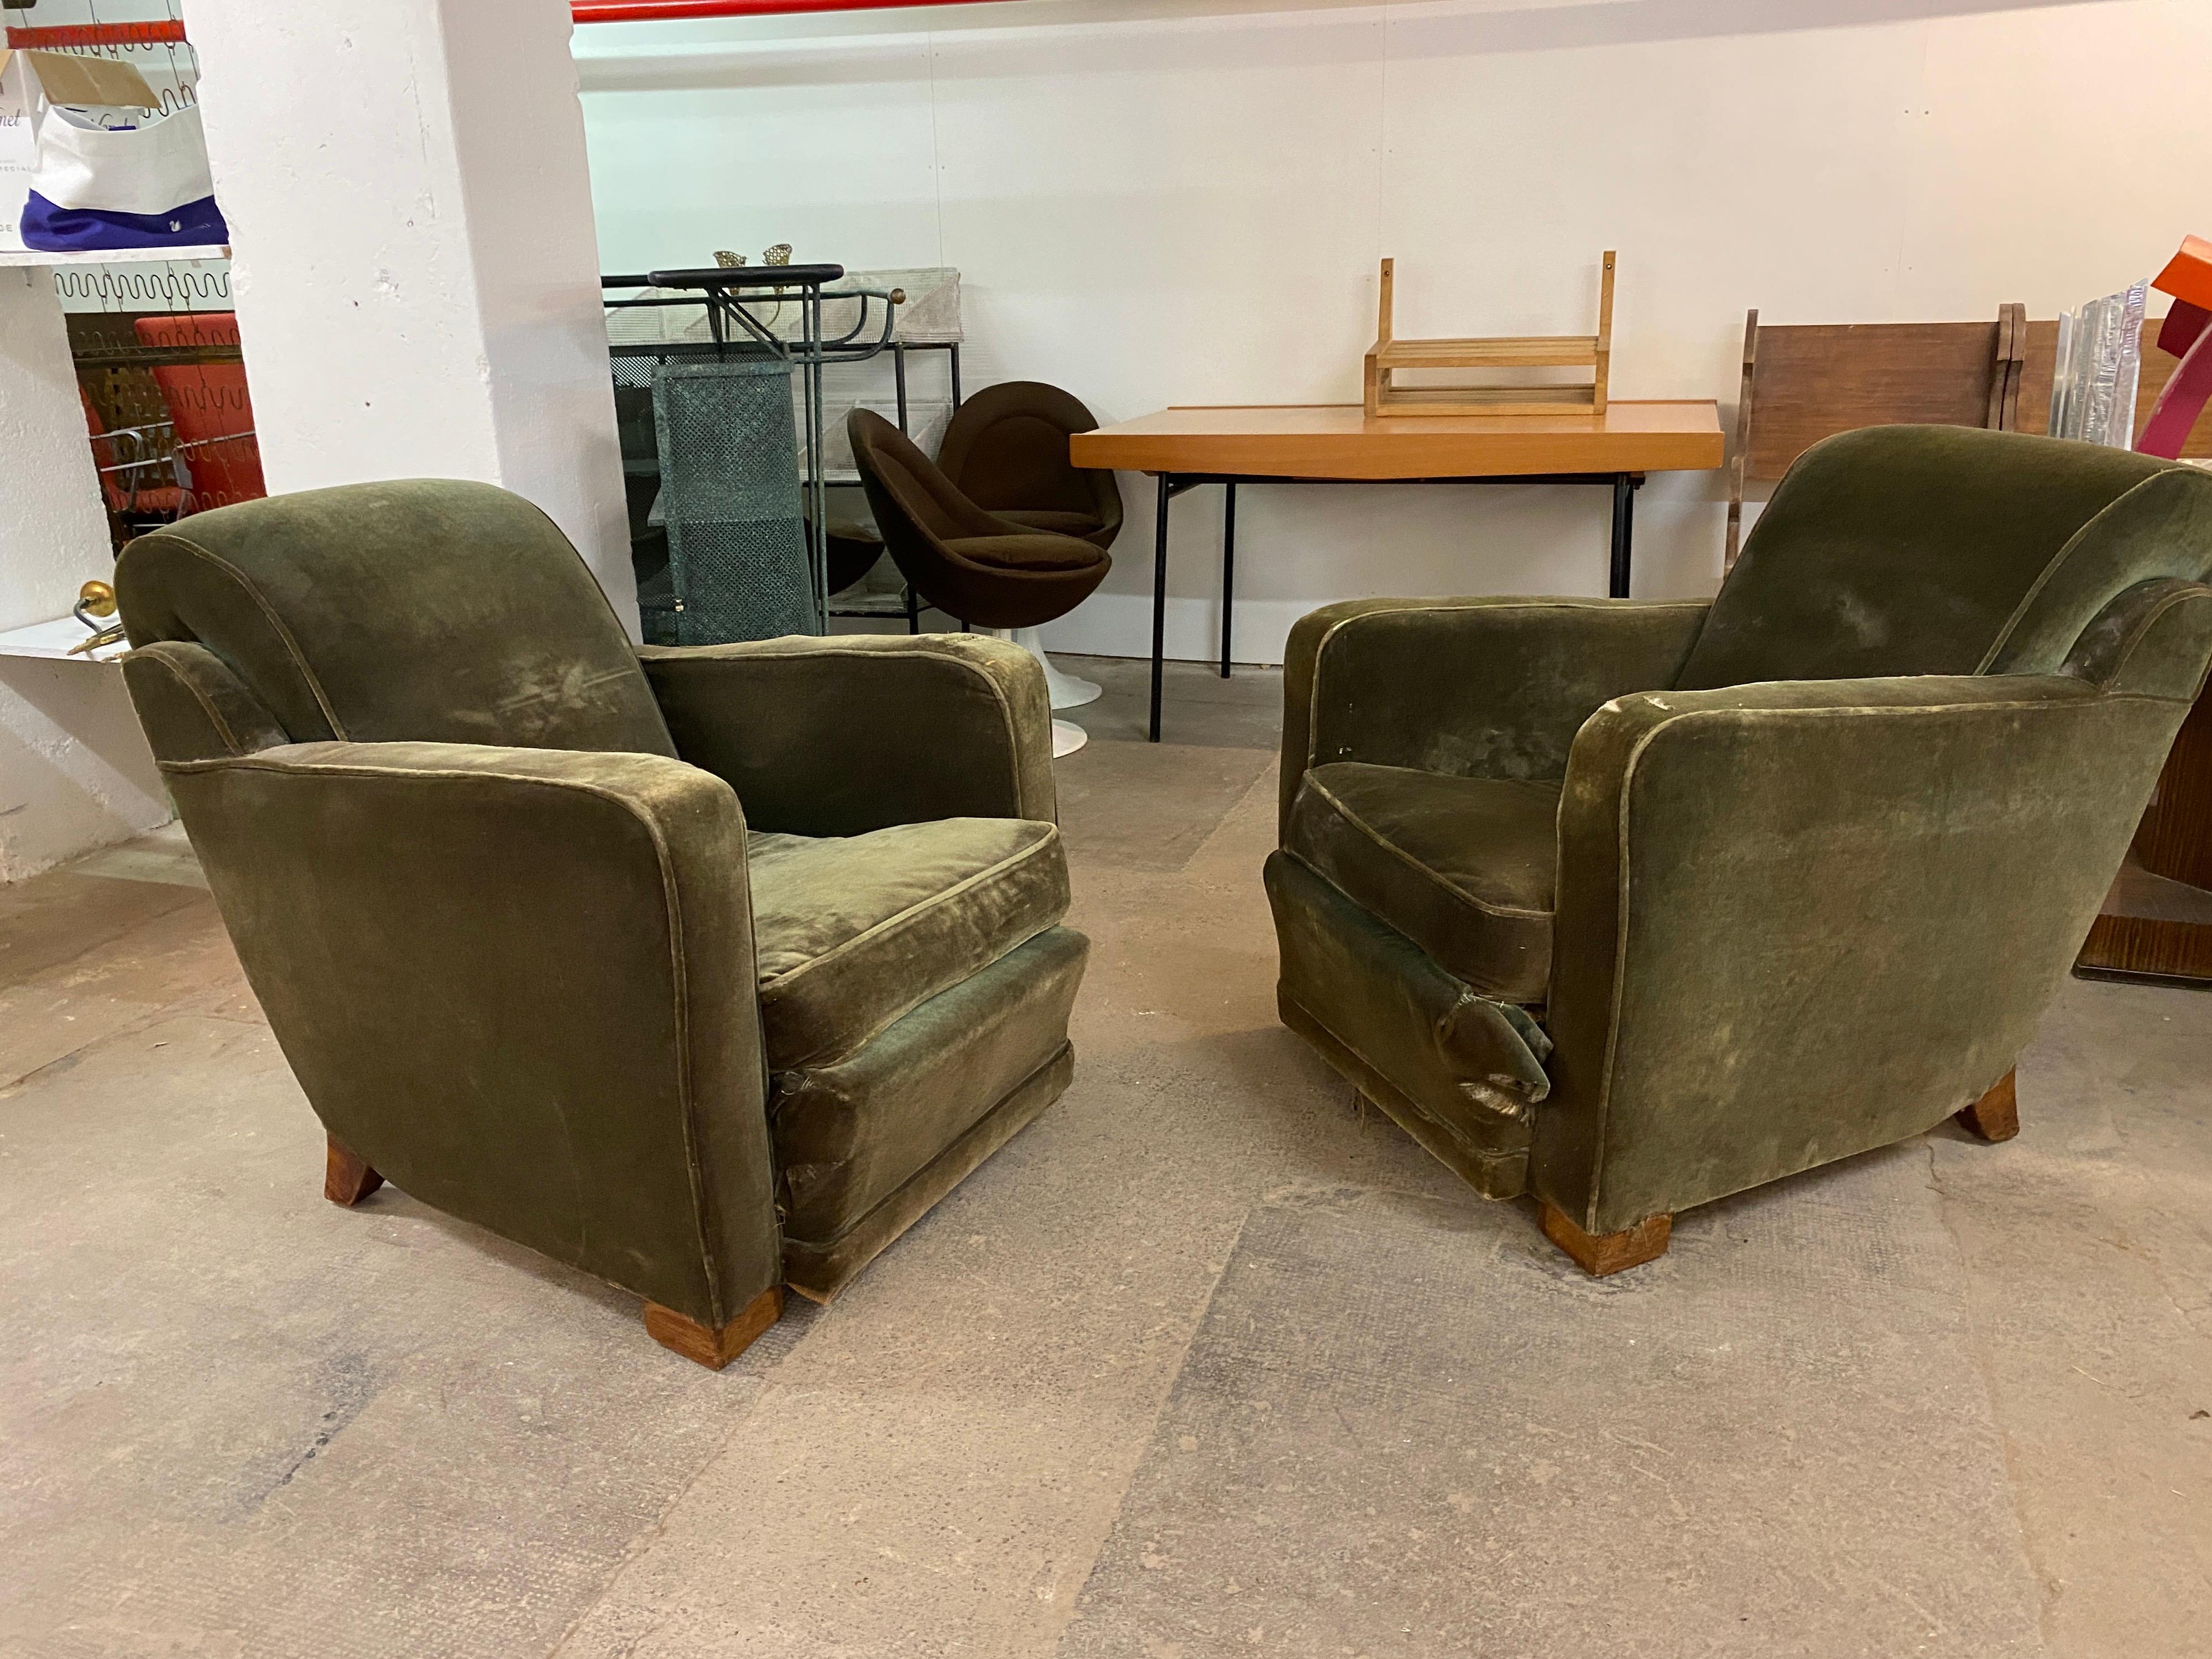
point(1339, 441)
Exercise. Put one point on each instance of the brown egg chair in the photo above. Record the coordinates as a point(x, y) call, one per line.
point(977, 566)
point(1006, 450)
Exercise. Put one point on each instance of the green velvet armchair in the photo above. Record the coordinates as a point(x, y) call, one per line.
point(1633, 905)
point(706, 971)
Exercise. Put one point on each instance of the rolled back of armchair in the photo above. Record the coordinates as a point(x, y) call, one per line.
point(1912, 550)
point(421, 610)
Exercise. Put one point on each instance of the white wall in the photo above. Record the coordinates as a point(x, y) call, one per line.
point(415, 272)
point(1166, 203)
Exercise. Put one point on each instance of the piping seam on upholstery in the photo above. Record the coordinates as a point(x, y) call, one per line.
point(672, 915)
point(1624, 885)
point(783, 980)
point(1375, 835)
point(1475, 603)
point(214, 715)
point(2057, 561)
point(275, 622)
point(1066, 1045)
point(926, 653)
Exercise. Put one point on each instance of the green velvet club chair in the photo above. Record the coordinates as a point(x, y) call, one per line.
point(705, 971)
point(1632, 905)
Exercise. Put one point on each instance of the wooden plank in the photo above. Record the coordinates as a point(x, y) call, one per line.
point(1340, 441)
point(1527, 351)
point(1743, 409)
point(2148, 947)
point(1812, 382)
point(1604, 359)
point(1993, 418)
point(2016, 365)
point(2157, 369)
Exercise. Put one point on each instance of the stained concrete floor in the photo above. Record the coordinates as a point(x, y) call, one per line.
point(1202, 1364)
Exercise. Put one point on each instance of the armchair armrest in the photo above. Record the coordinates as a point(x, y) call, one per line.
point(520, 983)
point(1800, 919)
point(838, 736)
point(1477, 687)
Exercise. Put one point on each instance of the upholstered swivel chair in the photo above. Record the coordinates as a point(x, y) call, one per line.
point(705, 971)
point(1005, 449)
point(974, 565)
point(1633, 905)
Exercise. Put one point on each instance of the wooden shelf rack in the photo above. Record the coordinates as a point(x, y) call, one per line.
point(1507, 353)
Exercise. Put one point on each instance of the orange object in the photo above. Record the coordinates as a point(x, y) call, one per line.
point(2188, 274)
point(208, 406)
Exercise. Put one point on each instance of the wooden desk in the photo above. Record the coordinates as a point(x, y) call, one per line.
point(1340, 443)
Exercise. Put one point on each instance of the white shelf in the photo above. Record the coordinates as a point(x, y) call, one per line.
point(121, 256)
point(52, 639)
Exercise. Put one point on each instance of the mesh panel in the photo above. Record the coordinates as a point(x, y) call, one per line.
point(730, 500)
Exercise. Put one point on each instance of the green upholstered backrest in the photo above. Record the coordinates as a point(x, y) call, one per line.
point(1931, 550)
point(421, 610)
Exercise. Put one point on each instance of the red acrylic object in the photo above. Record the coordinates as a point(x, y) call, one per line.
point(2188, 278)
point(62, 36)
point(641, 11)
point(2188, 274)
point(2174, 414)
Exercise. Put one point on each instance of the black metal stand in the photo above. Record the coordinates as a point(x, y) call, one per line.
point(1228, 567)
point(1171, 484)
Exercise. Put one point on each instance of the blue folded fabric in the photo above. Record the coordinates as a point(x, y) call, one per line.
point(50, 229)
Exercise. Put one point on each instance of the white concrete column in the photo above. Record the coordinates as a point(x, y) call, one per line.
point(74, 773)
point(415, 266)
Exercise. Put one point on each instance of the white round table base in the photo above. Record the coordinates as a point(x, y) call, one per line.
point(1067, 738)
point(1067, 691)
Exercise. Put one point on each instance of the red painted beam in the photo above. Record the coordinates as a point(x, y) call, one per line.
point(62, 36)
point(640, 11)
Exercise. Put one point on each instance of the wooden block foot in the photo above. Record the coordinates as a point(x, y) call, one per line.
point(1996, 1116)
point(347, 1177)
point(712, 1348)
point(1600, 1255)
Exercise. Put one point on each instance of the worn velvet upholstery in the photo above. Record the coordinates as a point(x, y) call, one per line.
point(850, 934)
point(1900, 549)
point(839, 736)
point(575, 969)
point(425, 610)
point(1462, 867)
point(1821, 853)
point(1005, 449)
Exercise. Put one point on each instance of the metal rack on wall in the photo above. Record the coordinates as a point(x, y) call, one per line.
point(731, 313)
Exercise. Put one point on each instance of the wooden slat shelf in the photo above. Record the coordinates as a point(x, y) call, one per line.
point(1383, 399)
point(1510, 351)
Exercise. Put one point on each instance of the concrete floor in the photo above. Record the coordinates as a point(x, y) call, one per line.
point(1200, 1364)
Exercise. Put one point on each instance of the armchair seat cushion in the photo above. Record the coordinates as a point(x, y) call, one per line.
point(1038, 552)
point(1053, 522)
point(853, 932)
point(1464, 867)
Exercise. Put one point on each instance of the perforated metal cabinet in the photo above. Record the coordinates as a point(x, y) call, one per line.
point(730, 500)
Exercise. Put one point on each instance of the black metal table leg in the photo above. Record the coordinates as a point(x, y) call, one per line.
point(1228, 567)
point(1160, 597)
point(1624, 528)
